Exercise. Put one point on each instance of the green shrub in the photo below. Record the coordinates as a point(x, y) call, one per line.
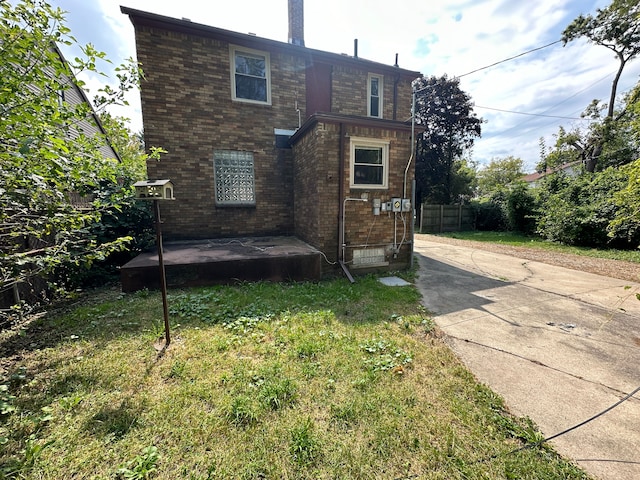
point(579, 210)
point(488, 215)
point(520, 209)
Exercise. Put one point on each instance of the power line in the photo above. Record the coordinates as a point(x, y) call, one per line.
point(517, 126)
point(533, 114)
point(510, 58)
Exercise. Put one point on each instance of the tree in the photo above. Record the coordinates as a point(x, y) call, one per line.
point(498, 174)
point(464, 180)
point(44, 155)
point(616, 27)
point(449, 126)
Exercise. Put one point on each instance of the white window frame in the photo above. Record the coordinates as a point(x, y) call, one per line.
point(244, 162)
point(367, 143)
point(370, 97)
point(233, 52)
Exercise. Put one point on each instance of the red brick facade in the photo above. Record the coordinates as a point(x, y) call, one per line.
point(188, 110)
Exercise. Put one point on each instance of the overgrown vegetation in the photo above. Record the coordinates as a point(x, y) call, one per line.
point(48, 156)
point(262, 381)
point(589, 195)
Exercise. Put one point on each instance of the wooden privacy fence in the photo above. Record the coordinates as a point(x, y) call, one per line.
point(445, 218)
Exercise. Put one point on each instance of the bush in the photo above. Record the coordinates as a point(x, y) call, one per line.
point(520, 209)
point(579, 211)
point(488, 215)
point(625, 225)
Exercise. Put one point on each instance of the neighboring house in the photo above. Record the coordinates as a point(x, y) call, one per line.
point(90, 125)
point(267, 138)
point(571, 169)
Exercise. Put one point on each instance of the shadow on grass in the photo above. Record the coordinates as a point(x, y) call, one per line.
point(115, 422)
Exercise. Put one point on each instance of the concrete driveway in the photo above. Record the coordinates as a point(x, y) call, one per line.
point(558, 345)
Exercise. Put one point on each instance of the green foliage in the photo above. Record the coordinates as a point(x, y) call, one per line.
point(242, 411)
point(521, 208)
point(384, 355)
point(142, 466)
point(616, 28)
point(449, 127)
point(304, 445)
point(626, 221)
point(45, 155)
point(511, 208)
point(499, 174)
point(488, 214)
point(578, 211)
point(19, 467)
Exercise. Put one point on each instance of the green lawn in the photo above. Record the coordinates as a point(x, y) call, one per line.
point(519, 240)
point(262, 381)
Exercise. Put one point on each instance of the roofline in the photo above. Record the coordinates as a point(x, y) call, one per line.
point(85, 99)
point(140, 17)
point(335, 118)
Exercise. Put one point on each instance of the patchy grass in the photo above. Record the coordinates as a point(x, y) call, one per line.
point(519, 240)
point(262, 381)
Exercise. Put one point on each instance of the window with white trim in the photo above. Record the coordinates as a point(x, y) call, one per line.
point(234, 178)
point(374, 94)
point(369, 163)
point(250, 75)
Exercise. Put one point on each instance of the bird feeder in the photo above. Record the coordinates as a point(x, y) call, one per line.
point(158, 190)
point(154, 190)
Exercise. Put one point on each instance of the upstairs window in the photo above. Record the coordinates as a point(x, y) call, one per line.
point(234, 178)
point(369, 163)
point(374, 94)
point(250, 76)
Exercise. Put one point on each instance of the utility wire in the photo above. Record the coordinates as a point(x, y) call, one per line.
point(563, 432)
point(533, 114)
point(537, 444)
point(510, 58)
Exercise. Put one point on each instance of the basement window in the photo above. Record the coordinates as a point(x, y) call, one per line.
point(369, 163)
point(234, 178)
point(250, 76)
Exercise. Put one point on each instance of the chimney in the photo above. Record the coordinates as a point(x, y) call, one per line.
point(296, 22)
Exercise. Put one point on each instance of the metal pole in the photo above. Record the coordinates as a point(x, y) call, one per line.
point(163, 280)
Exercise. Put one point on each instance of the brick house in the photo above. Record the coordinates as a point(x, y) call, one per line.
point(267, 138)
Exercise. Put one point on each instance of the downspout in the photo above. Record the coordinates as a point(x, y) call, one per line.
point(341, 162)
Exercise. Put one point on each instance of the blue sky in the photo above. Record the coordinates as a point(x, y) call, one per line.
point(450, 37)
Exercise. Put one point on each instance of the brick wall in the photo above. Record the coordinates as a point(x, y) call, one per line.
point(188, 110)
point(349, 94)
point(317, 157)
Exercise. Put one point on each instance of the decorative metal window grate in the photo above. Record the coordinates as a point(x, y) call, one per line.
point(234, 177)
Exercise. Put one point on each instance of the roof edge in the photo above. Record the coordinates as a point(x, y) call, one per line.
point(336, 118)
point(140, 17)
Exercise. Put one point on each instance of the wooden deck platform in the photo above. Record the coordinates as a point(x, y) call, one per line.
point(224, 261)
